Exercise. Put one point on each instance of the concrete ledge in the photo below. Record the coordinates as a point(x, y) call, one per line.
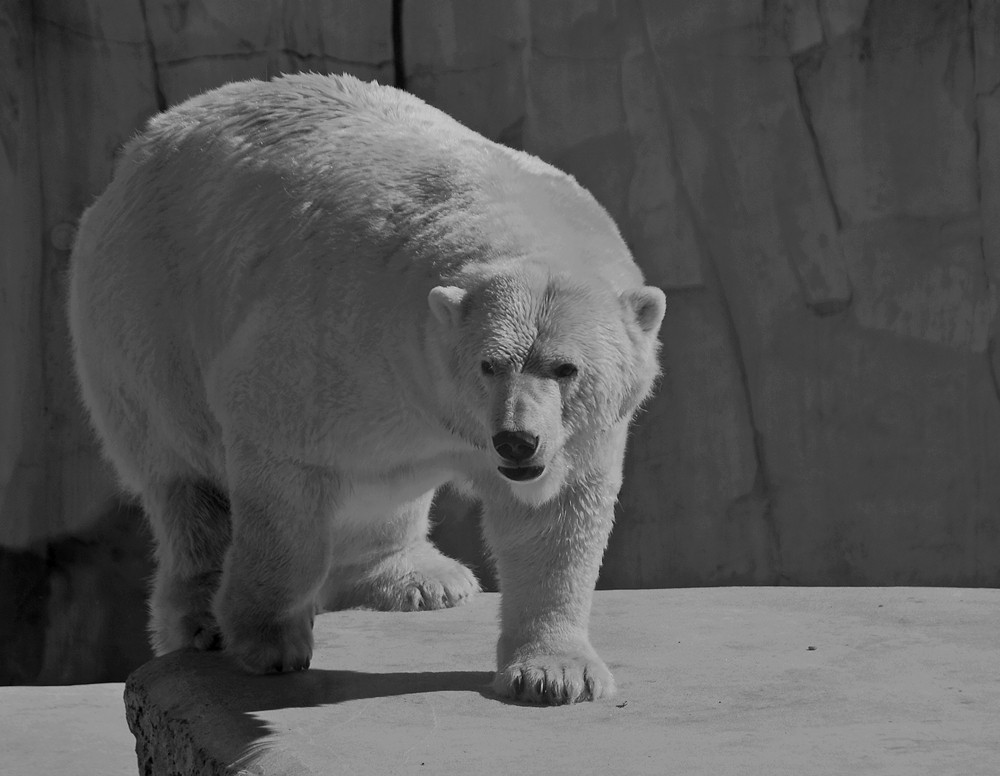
point(712, 680)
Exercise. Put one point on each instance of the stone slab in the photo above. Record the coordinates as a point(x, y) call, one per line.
point(712, 680)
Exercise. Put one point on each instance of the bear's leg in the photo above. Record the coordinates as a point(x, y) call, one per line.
point(547, 562)
point(548, 558)
point(277, 560)
point(403, 571)
point(190, 521)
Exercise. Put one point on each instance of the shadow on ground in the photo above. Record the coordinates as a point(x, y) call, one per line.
point(317, 687)
point(177, 685)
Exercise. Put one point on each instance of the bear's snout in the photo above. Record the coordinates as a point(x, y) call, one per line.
point(515, 446)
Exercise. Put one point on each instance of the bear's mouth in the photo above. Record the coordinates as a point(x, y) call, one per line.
point(521, 473)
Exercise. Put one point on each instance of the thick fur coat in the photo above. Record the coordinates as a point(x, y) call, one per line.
point(303, 306)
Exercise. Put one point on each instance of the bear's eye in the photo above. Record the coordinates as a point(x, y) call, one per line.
point(487, 367)
point(565, 371)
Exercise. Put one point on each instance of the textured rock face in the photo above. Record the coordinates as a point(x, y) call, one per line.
point(811, 183)
point(196, 46)
point(814, 183)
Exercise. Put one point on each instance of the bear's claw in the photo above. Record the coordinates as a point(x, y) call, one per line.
point(555, 680)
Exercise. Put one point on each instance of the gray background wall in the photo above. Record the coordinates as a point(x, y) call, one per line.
point(814, 183)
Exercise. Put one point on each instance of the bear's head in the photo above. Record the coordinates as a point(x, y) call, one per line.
point(537, 364)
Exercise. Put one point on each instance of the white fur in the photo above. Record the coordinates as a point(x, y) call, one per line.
point(284, 299)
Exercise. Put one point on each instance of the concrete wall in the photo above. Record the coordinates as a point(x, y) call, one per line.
point(814, 183)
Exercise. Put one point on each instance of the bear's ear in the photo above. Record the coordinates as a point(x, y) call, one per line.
point(446, 304)
point(648, 304)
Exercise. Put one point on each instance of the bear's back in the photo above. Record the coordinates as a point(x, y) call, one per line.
point(328, 187)
point(349, 163)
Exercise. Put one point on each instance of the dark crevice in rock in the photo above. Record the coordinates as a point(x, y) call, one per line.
point(762, 489)
point(42, 20)
point(829, 307)
point(237, 55)
point(398, 63)
point(803, 65)
point(670, 129)
point(439, 71)
point(977, 141)
point(991, 347)
point(161, 98)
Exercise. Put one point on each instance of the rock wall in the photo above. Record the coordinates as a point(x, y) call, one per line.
point(806, 180)
point(814, 183)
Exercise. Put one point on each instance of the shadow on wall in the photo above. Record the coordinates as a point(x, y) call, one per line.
point(456, 532)
point(74, 610)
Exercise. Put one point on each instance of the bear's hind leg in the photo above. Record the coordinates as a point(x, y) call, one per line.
point(405, 572)
point(190, 520)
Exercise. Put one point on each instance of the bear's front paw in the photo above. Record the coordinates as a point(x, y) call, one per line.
point(555, 679)
point(274, 647)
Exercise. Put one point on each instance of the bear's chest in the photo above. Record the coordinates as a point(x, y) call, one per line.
point(367, 497)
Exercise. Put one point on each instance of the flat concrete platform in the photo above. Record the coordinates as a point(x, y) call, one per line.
point(57, 731)
point(715, 681)
point(711, 681)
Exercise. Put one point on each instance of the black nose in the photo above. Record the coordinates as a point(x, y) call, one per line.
point(515, 446)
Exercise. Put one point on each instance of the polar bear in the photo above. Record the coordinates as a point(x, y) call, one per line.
point(300, 308)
